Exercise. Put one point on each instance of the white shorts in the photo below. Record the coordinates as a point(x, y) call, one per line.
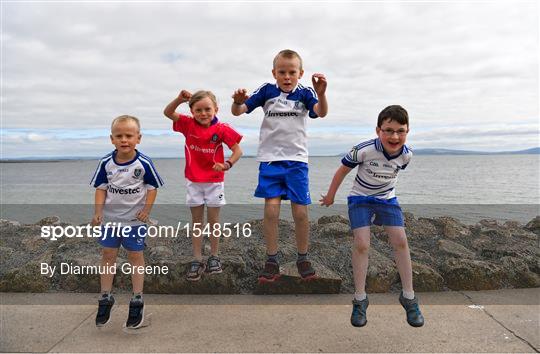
point(211, 194)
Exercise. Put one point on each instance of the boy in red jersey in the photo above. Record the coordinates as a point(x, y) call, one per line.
point(205, 166)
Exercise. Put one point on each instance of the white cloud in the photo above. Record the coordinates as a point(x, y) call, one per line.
point(76, 66)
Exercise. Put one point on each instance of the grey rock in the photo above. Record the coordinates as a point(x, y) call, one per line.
point(426, 278)
point(333, 219)
point(290, 282)
point(336, 230)
point(468, 274)
point(49, 220)
point(454, 249)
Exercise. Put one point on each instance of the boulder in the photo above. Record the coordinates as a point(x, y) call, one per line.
point(335, 230)
point(468, 274)
point(49, 220)
point(426, 278)
point(382, 273)
point(454, 249)
point(534, 225)
point(290, 282)
point(26, 278)
point(451, 228)
point(175, 282)
point(333, 219)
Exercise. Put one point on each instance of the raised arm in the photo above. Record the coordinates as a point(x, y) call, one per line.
point(319, 84)
point(238, 106)
point(170, 109)
point(340, 174)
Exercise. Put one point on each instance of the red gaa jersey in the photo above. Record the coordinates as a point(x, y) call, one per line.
point(204, 147)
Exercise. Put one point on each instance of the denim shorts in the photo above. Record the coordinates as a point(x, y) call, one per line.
point(365, 210)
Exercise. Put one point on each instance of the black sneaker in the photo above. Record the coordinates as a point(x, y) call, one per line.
point(305, 269)
point(414, 316)
point(358, 316)
point(196, 269)
point(213, 265)
point(270, 272)
point(105, 305)
point(136, 313)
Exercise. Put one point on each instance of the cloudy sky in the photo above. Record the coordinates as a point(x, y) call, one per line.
point(467, 71)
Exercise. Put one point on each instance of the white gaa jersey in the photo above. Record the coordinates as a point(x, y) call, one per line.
point(126, 185)
point(283, 130)
point(377, 171)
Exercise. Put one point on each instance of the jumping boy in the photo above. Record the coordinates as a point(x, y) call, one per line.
point(379, 162)
point(125, 182)
point(283, 154)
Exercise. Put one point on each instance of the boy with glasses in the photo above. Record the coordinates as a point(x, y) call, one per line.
point(379, 162)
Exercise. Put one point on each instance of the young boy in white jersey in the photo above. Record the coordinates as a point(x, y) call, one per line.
point(126, 185)
point(283, 154)
point(205, 167)
point(379, 162)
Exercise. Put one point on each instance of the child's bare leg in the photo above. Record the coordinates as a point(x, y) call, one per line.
point(270, 224)
point(213, 218)
point(197, 219)
point(108, 259)
point(301, 226)
point(360, 258)
point(398, 240)
point(136, 259)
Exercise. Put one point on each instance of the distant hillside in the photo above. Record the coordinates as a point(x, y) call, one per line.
point(532, 151)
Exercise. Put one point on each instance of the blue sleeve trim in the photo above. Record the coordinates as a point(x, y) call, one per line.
point(151, 176)
point(348, 163)
point(100, 176)
point(257, 98)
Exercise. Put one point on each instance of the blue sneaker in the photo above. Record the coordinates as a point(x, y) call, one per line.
point(414, 316)
point(358, 316)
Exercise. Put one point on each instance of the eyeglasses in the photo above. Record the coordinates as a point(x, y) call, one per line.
point(390, 132)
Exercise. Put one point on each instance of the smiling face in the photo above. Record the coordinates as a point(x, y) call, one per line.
point(204, 110)
point(125, 136)
point(392, 135)
point(287, 72)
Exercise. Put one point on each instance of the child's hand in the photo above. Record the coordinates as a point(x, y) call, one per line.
point(319, 83)
point(240, 96)
point(142, 215)
point(326, 200)
point(97, 219)
point(220, 167)
point(184, 96)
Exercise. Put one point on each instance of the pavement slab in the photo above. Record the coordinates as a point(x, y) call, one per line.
point(455, 322)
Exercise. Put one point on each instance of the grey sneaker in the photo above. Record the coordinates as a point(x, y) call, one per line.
point(213, 265)
point(414, 316)
point(358, 316)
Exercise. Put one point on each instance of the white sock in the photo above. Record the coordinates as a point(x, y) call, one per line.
point(360, 296)
point(408, 295)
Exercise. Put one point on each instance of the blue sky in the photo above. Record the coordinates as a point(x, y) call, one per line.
point(467, 71)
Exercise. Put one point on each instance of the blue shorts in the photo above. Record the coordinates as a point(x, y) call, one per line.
point(285, 179)
point(113, 238)
point(362, 209)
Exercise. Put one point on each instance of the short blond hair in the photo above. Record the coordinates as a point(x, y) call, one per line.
point(201, 94)
point(126, 118)
point(288, 54)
